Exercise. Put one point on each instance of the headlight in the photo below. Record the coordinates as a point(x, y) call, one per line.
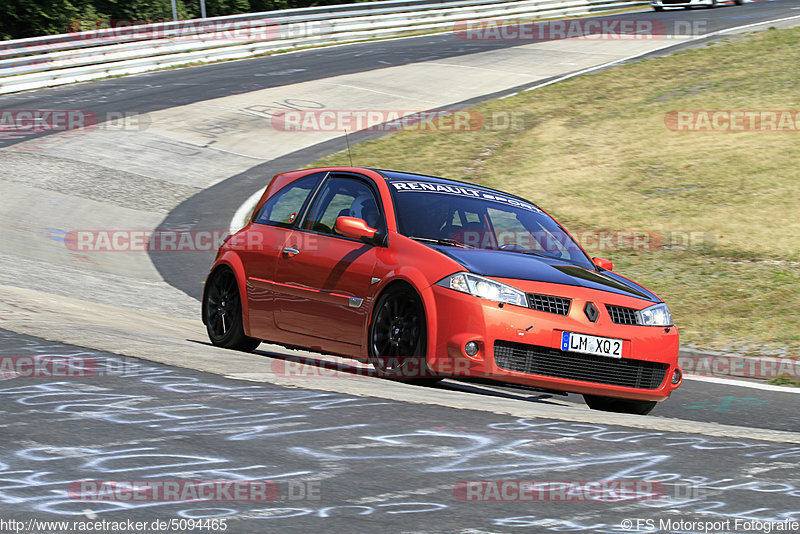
point(656, 315)
point(484, 288)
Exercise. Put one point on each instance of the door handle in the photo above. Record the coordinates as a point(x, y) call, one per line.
point(289, 251)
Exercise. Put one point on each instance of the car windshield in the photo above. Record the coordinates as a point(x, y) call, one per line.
point(456, 215)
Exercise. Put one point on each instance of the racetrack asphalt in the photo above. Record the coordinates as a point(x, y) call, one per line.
point(345, 463)
point(147, 420)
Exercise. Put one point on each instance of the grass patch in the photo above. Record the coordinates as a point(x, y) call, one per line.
point(784, 380)
point(596, 153)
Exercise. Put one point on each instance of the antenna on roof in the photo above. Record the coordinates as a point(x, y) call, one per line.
point(348, 147)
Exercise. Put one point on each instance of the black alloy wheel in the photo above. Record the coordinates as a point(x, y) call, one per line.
point(398, 337)
point(222, 308)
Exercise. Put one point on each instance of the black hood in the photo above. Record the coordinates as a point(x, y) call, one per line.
point(502, 264)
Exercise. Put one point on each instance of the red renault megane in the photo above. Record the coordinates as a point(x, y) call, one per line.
point(427, 277)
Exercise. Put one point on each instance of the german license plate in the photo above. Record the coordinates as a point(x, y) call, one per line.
point(601, 346)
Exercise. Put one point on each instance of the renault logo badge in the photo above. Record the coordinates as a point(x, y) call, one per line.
point(591, 312)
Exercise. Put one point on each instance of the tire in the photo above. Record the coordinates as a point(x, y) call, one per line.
point(713, 4)
point(612, 404)
point(222, 309)
point(398, 337)
point(658, 8)
point(738, 2)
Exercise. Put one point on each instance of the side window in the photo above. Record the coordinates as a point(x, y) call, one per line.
point(285, 205)
point(343, 196)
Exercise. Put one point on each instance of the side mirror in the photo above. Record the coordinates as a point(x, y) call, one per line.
point(603, 263)
point(355, 228)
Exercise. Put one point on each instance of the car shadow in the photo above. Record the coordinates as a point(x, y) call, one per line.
point(466, 386)
point(300, 366)
point(307, 366)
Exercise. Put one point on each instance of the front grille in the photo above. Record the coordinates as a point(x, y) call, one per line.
point(549, 303)
point(621, 314)
point(546, 361)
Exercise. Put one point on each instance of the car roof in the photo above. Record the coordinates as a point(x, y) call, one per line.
point(410, 176)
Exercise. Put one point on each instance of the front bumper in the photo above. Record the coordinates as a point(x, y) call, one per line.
point(523, 346)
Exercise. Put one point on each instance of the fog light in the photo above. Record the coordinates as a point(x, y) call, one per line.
point(471, 348)
point(676, 376)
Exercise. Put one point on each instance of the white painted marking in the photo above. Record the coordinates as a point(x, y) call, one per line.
point(485, 68)
point(375, 91)
point(241, 213)
point(282, 72)
point(229, 151)
point(742, 383)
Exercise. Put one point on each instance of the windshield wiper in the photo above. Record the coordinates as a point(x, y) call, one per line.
point(441, 241)
point(533, 253)
point(530, 252)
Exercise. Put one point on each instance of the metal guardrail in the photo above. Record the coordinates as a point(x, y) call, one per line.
point(68, 58)
point(198, 26)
